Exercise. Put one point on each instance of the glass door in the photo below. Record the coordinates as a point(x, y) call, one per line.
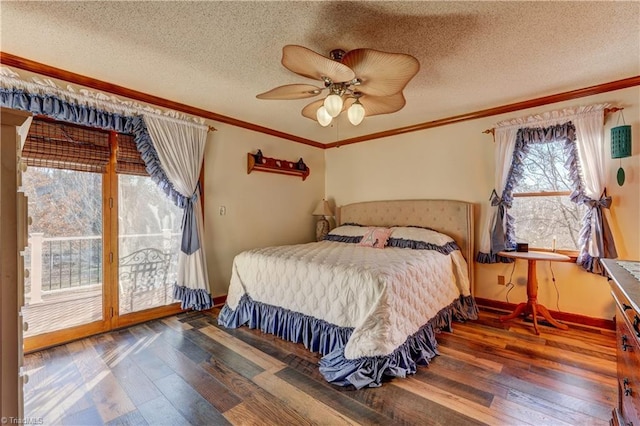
point(148, 243)
point(65, 185)
point(148, 238)
point(64, 286)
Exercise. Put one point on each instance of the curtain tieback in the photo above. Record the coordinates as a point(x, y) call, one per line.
point(500, 202)
point(498, 235)
point(604, 202)
point(601, 243)
point(190, 242)
point(195, 195)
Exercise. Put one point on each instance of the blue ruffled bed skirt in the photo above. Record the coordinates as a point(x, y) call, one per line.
point(329, 340)
point(315, 334)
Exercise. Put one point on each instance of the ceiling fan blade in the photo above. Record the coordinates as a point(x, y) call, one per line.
point(291, 91)
point(381, 73)
point(376, 105)
point(310, 64)
point(310, 110)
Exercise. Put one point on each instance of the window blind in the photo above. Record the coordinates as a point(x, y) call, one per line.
point(66, 146)
point(128, 159)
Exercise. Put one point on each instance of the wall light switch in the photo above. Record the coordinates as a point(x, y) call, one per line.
point(223, 210)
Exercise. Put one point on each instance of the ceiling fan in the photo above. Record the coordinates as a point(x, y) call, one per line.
point(361, 81)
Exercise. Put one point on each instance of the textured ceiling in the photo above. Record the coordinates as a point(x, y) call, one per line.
point(219, 55)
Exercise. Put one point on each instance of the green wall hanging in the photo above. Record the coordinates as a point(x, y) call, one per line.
point(621, 141)
point(621, 145)
point(620, 176)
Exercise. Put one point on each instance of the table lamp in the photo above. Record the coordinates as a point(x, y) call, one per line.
point(322, 226)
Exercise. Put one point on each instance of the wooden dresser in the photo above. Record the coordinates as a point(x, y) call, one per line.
point(625, 288)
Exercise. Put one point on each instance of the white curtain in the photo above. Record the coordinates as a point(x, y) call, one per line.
point(505, 141)
point(596, 240)
point(180, 148)
point(589, 138)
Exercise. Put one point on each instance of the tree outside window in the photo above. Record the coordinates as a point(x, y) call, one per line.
point(545, 217)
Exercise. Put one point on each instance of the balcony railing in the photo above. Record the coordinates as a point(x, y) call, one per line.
point(65, 263)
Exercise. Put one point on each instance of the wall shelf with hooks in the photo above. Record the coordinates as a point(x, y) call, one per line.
point(258, 162)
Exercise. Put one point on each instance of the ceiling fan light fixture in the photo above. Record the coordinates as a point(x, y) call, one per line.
point(376, 77)
point(356, 113)
point(324, 119)
point(333, 104)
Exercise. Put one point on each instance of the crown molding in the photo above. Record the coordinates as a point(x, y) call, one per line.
point(11, 60)
point(503, 109)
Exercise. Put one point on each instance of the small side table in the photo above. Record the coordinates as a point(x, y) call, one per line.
point(531, 306)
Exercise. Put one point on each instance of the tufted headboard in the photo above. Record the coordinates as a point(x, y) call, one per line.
point(454, 218)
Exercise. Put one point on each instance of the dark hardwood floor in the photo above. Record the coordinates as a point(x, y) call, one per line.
point(187, 370)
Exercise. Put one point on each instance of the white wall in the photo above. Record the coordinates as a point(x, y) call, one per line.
point(456, 162)
point(262, 209)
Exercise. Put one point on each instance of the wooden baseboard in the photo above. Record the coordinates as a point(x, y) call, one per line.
point(219, 300)
point(560, 316)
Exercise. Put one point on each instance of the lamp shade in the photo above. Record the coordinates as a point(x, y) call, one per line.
point(323, 116)
point(621, 141)
point(333, 104)
point(356, 113)
point(323, 209)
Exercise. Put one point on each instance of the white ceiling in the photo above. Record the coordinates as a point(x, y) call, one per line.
point(219, 55)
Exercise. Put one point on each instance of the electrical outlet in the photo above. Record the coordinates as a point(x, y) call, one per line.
point(500, 279)
point(223, 210)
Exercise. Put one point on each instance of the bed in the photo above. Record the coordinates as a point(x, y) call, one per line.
point(372, 296)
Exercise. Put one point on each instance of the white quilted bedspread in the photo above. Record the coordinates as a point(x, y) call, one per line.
point(385, 294)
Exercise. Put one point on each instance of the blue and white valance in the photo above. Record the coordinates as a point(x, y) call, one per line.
point(63, 110)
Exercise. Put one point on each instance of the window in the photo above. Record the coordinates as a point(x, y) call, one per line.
point(545, 217)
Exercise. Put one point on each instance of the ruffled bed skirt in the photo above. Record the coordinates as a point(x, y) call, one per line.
point(329, 340)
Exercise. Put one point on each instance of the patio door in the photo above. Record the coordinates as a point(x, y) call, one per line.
point(64, 184)
point(148, 238)
point(103, 238)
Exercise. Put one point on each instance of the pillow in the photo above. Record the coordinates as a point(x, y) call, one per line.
point(349, 230)
point(425, 235)
point(416, 238)
point(375, 237)
point(346, 234)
